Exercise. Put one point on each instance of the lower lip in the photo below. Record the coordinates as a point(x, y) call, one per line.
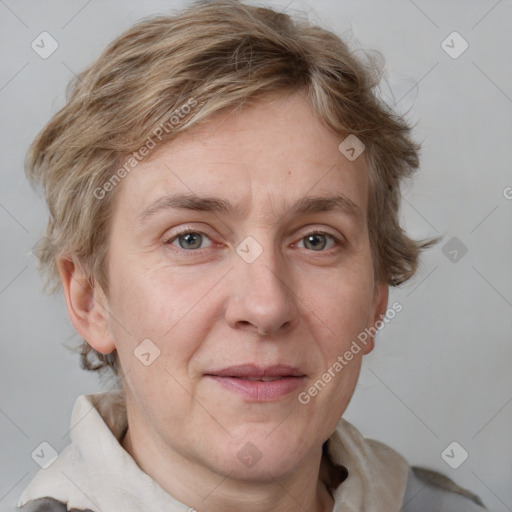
point(257, 390)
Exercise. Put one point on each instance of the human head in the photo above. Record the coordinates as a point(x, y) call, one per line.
point(170, 73)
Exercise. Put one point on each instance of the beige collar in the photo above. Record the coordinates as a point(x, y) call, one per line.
point(95, 472)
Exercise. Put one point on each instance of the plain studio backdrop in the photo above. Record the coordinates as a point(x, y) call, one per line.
point(440, 372)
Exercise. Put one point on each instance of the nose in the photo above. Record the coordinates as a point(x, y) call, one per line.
point(262, 298)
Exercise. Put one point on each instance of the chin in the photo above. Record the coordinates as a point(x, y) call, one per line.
point(256, 459)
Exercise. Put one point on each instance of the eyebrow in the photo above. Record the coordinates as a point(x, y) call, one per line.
point(307, 204)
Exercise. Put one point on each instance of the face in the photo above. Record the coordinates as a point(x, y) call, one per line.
point(248, 289)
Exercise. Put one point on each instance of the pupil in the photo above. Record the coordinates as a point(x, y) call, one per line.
point(189, 239)
point(314, 239)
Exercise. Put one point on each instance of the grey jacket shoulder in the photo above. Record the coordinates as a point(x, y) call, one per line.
point(48, 505)
point(429, 491)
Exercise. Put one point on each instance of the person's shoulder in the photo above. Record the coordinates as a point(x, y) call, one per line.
point(430, 491)
point(48, 505)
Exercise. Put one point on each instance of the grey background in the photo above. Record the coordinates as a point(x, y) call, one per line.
point(441, 368)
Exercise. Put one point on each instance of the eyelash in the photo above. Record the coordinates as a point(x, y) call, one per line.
point(338, 242)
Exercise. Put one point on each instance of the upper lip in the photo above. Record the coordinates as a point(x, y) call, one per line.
point(254, 371)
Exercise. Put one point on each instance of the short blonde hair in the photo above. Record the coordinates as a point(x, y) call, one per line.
point(167, 73)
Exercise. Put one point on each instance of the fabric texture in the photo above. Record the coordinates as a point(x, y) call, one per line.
point(95, 474)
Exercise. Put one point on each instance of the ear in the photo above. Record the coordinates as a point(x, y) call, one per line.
point(379, 307)
point(87, 305)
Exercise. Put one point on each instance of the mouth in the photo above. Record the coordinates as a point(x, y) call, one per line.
point(259, 384)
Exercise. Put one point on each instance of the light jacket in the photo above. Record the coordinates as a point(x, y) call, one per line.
point(95, 474)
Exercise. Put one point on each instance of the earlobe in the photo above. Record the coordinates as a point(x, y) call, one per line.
point(86, 304)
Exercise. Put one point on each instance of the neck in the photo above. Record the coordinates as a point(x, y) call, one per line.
point(201, 489)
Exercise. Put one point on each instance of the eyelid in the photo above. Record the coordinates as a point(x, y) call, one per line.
point(170, 239)
point(322, 230)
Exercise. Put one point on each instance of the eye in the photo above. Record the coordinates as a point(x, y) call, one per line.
point(318, 241)
point(188, 239)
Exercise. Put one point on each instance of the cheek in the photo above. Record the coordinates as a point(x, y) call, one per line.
point(344, 305)
point(157, 331)
point(161, 305)
point(149, 301)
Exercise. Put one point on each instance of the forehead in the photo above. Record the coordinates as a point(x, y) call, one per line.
point(277, 151)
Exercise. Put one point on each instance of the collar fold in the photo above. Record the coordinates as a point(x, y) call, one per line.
point(95, 472)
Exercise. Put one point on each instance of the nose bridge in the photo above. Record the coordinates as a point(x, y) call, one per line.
point(262, 294)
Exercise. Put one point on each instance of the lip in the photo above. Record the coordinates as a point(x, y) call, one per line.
point(245, 380)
